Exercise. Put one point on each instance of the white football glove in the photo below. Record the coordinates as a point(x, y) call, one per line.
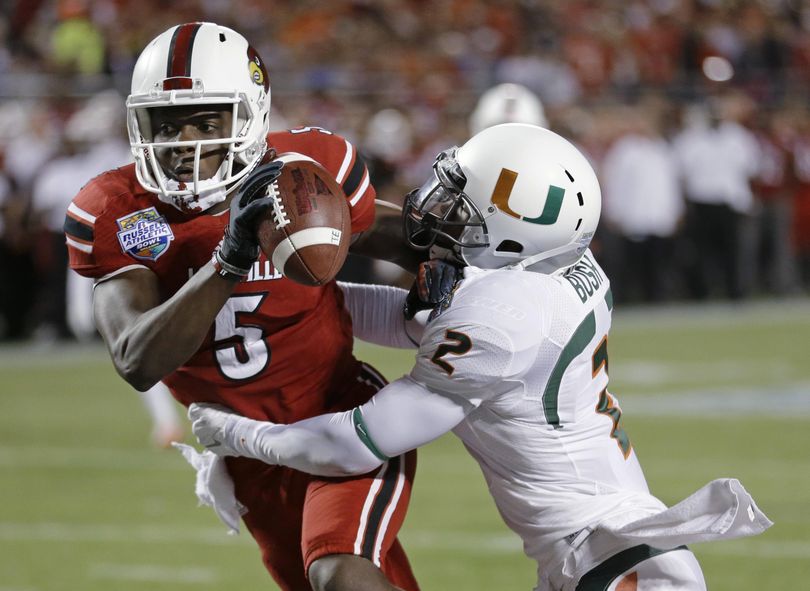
point(210, 423)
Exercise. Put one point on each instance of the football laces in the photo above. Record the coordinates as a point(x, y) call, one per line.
point(279, 213)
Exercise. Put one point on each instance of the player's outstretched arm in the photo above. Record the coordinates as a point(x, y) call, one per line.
point(149, 338)
point(402, 416)
point(385, 240)
point(387, 315)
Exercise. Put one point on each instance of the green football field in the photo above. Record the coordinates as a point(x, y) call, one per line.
point(86, 504)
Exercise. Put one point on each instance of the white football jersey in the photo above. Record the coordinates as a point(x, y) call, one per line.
point(526, 353)
point(516, 364)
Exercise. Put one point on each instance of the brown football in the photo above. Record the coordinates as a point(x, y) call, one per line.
point(307, 233)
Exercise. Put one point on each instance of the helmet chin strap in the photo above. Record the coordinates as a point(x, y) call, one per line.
point(446, 254)
point(208, 196)
point(543, 256)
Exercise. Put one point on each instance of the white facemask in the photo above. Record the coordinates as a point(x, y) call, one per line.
point(206, 198)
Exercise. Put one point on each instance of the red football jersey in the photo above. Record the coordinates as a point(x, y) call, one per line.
point(278, 350)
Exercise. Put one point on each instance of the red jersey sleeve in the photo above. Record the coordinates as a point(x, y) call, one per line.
point(340, 157)
point(91, 230)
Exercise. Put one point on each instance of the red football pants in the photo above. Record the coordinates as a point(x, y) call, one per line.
point(297, 518)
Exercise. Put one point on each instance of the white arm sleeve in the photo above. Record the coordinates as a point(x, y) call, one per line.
point(325, 445)
point(402, 416)
point(377, 317)
point(405, 415)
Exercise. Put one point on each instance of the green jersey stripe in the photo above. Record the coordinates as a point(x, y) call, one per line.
point(600, 577)
point(580, 339)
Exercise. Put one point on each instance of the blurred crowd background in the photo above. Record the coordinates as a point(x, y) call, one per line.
point(693, 112)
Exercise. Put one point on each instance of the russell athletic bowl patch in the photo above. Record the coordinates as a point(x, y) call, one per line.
point(144, 234)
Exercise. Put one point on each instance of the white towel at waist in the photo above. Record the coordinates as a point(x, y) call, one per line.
point(214, 486)
point(721, 510)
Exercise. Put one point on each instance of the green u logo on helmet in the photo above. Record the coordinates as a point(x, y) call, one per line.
point(503, 190)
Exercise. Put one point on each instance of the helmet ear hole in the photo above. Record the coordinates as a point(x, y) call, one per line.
point(510, 246)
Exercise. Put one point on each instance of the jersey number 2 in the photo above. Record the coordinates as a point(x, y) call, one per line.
point(461, 343)
point(240, 349)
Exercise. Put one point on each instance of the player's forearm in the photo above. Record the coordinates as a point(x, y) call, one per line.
point(165, 336)
point(402, 416)
point(385, 241)
point(377, 315)
point(326, 445)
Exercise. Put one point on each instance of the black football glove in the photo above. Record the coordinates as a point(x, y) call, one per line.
point(240, 246)
point(434, 283)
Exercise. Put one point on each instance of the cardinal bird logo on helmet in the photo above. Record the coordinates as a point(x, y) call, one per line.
point(256, 68)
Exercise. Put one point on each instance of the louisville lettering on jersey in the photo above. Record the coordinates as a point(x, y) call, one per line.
point(263, 270)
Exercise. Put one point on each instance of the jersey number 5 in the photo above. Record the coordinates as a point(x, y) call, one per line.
point(241, 351)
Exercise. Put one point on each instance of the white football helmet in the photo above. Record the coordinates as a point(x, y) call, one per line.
point(507, 103)
point(514, 195)
point(199, 64)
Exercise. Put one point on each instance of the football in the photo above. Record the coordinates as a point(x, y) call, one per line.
point(306, 234)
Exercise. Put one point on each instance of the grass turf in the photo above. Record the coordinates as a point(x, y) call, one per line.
point(88, 505)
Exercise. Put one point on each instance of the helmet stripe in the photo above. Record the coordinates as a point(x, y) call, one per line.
point(180, 50)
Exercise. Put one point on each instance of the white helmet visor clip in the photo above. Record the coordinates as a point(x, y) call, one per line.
point(438, 212)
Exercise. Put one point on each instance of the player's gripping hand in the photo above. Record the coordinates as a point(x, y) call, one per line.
point(209, 423)
point(434, 283)
point(240, 246)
